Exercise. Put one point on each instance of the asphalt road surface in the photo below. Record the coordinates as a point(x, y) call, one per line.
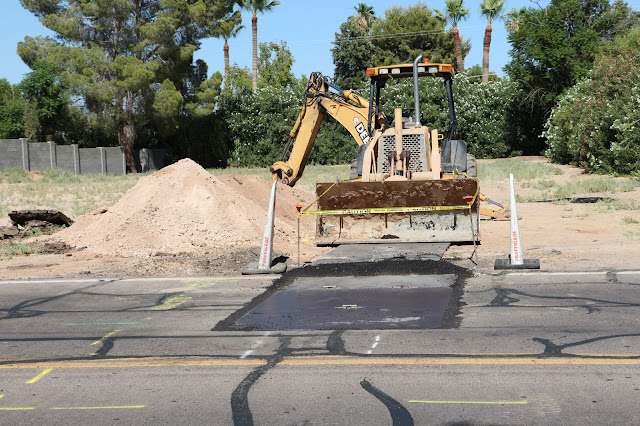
point(523, 348)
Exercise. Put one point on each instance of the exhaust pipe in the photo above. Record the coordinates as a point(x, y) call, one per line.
point(415, 90)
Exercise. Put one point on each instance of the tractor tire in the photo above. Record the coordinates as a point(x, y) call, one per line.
point(353, 173)
point(472, 166)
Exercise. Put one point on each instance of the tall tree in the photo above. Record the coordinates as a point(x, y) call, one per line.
point(399, 36)
point(12, 109)
point(255, 6)
point(353, 53)
point(554, 48)
point(405, 33)
point(229, 27)
point(491, 9)
point(512, 19)
point(274, 65)
point(455, 12)
point(364, 16)
point(45, 90)
point(127, 58)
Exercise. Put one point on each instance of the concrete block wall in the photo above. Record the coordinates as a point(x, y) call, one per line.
point(11, 154)
point(66, 158)
point(115, 161)
point(22, 154)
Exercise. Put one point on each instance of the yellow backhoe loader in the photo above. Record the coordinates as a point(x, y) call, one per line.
point(404, 187)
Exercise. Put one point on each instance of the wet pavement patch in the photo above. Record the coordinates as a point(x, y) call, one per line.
point(393, 294)
point(359, 303)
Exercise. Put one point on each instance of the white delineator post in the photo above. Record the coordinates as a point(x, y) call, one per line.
point(267, 240)
point(516, 249)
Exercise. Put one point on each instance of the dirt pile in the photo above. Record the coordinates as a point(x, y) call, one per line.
point(184, 209)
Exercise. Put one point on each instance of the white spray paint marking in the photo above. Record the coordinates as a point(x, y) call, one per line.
point(256, 345)
point(375, 344)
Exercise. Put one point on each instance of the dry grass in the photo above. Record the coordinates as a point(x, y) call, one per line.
point(60, 190)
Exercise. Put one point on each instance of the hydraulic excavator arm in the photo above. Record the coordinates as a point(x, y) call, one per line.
point(322, 97)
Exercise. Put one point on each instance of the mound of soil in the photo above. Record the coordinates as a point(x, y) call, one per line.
point(184, 209)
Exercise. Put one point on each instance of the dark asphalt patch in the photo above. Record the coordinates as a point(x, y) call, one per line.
point(355, 303)
point(449, 305)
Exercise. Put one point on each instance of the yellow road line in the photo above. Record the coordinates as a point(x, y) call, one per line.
point(318, 360)
point(39, 376)
point(113, 407)
point(97, 342)
point(171, 303)
point(138, 363)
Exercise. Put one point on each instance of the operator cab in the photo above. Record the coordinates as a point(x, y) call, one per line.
point(453, 153)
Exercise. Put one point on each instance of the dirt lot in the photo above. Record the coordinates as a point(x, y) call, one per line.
point(181, 221)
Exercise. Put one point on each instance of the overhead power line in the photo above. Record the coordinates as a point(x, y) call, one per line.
point(371, 37)
point(396, 35)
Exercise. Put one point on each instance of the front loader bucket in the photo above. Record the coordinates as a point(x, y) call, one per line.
point(443, 210)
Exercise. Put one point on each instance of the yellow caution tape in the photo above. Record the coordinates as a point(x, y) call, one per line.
point(382, 210)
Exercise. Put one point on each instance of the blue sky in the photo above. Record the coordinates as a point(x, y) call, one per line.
point(307, 27)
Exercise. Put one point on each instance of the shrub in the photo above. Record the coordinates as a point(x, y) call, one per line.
point(596, 124)
point(258, 123)
point(483, 111)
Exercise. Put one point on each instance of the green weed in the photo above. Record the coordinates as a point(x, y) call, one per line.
point(608, 205)
point(11, 249)
point(635, 235)
point(522, 170)
point(630, 220)
point(597, 185)
point(15, 176)
point(60, 176)
point(33, 232)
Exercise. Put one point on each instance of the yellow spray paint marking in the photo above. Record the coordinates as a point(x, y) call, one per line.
point(474, 402)
point(97, 342)
point(113, 407)
point(1, 396)
point(40, 376)
point(206, 284)
point(17, 408)
point(171, 303)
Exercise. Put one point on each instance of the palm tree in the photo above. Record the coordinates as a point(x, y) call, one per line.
point(256, 6)
point(491, 9)
point(512, 18)
point(455, 13)
point(365, 15)
point(228, 27)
